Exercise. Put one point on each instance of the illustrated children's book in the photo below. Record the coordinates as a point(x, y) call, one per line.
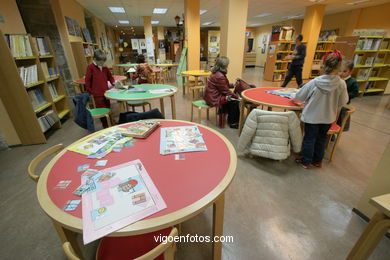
point(285, 92)
point(117, 197)
point(181, 139)
point(141, 129)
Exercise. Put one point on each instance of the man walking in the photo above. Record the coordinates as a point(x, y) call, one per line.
point(298, 58)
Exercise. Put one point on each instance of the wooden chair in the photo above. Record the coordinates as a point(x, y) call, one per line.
point(99, 112)
point(138, 247)
point(134, 104)
point(375, 230)
point(201, 104)
point(336, 130)
point(39, 158)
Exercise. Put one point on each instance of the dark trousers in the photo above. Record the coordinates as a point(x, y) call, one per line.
point(232, 108)
point(293, 70)
point(101, 101)
point(313, 145)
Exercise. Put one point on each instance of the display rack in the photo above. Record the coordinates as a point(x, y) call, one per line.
point(372, 64)
point(28, 101)
point(276, 65)
point(323, 47)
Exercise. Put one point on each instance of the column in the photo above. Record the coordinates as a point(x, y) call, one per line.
point(192, 33)
point(149, 39)
point(233, 24)
point(161, 51)
point(311, 30)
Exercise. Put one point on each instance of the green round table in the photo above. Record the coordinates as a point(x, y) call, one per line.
point(124, 96)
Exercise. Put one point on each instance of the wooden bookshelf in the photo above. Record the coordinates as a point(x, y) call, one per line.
point(16, 96)
point(276, 66)
point(323, 47)
point(83, 55)
point(372, 65)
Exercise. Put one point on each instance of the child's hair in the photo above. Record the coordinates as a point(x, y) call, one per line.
point(300, 37)
point(348, 64)
point(141, 58)
point(99, 55)
point(331, 61)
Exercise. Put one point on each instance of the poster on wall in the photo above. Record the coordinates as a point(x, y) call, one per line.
point(134, 44)
point(142, 44)
point(69, 25)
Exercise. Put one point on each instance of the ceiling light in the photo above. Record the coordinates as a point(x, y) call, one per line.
point(155, 22)
point(203, 11)
point(124, 21)
point(117, 9)
point(316, 1)
point(160, 10)
point(207, 23)
point(357, 2)
point(255, 24)
point(263, 15)
point(293, 16)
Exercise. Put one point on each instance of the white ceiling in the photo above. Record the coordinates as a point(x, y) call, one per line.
point(280, 9)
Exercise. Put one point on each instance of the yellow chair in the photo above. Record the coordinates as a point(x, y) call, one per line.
point(336, 130)
point(119, 248)
point(39, 158)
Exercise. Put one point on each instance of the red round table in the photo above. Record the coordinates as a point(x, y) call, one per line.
point(260, 97)
point(81, 82)
point(188, 186)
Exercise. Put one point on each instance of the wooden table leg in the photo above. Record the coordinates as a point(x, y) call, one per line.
point(184, 81)
point(173, 107)
point(162, 106)
point(375, 230)
point(242, 119)
point(218, 213)
point(195, 90)
point(68, 236)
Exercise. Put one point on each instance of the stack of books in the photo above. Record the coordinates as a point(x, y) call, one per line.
point(37, 98)
point(47, 120)
point(49, 72)
point(52, 90)
point(19, 45)
point(43, 48)
point(29, 75)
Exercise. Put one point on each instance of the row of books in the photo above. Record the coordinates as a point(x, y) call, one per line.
point(37, 98)
point(369, 32)
point(19, 45)
point(324, 47)
point(43, 48)
point(368, 44)
point(364, 74)
point(49, 72)
point(88, 51)
point(369, 61)
point(52, 90)
point(319, 55)
point(285, 47)
point(280, 66)
point(47, 120)
point(28, 74)
point(385, 45)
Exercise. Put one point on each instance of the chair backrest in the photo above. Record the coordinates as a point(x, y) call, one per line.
point(35, 162)
point(349, 112)
point(70, 254)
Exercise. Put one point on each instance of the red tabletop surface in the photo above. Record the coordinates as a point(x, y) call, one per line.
point(116, 77)
point(180, 182)
point(261, 95)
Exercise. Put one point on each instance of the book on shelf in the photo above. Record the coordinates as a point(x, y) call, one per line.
point(49, 72)
point(52, 90)
point(357, 59)
point(88, 51)
point(19, 45)
point(43, 48)
point(363, 74)
point(47, 120)
point(385, 45)
point(368, 44)
point(368, 85)
point(29, 75)
point(278, 76)
point(37, 98)
point(369, 61)
point(379, 60)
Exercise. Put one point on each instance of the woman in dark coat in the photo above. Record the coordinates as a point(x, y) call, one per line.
point(218, 93)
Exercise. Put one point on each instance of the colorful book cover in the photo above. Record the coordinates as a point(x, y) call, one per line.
point(181, 139)
point(117, 197)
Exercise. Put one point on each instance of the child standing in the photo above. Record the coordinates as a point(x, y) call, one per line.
point(96, 81)
point(323, 97)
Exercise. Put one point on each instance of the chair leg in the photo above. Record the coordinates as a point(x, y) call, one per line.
point(192, 113)
point(199, 114)
point(150, 106)
point(108, 120)
point(208, 113)
point(335, 146)
point(143, 107)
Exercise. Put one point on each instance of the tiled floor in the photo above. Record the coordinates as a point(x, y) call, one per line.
point(274, 210)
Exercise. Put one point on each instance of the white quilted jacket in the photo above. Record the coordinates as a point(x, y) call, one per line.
point(269, 134)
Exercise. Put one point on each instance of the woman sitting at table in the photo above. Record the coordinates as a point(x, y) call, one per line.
point(143, 71)
point(219, 94)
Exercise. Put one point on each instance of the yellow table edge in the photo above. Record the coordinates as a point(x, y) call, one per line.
point(143, 226)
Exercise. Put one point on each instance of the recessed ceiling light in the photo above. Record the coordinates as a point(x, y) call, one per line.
point(117, 9)
point(203, 11)
point(160, 10)
point(316, 1)
point(124, 21)
point(263, 15)
point(357, 2)
point(155, 22)
point(293, 16)
point(207, 23)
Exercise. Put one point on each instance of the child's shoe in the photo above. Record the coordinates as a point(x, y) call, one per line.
point(304, 165)
point(318, 164)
